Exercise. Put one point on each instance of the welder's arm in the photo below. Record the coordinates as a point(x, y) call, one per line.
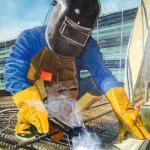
point(109, 86)
point(18, 61)
point(26, 96)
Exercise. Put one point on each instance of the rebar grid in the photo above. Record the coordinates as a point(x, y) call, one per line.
point(99, 118)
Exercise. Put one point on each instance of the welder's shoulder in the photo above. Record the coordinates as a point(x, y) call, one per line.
point(31, 40)
point(33, 33)
point(92, 50)
point(92, 44)
point(28, 43)
point(36, 30)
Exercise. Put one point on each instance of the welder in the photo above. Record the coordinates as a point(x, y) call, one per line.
point(52, 55)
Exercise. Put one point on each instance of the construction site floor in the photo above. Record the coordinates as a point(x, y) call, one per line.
point(99, 117)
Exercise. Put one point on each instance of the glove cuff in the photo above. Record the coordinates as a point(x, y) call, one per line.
point(118, 99)
point(35, 92)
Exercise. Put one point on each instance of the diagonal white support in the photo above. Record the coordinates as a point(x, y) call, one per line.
point(137, 47)
point(129, 144)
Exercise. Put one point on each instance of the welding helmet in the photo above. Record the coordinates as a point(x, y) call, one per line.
point(69, 26)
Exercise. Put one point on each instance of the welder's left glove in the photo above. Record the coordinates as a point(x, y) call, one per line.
point(128, 116)
point(31, 110)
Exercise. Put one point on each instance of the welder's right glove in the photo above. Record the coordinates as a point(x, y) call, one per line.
point(128, 116)
point(31, 110)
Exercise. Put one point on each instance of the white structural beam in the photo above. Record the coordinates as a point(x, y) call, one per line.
point(137, 47)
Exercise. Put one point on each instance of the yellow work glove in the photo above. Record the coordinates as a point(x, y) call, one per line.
point(31, 111)
point(128, 116)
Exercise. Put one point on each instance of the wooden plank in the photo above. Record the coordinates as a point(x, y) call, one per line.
point(86, 101)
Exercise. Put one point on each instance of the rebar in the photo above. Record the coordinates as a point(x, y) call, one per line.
point(99, 118)
point(3, 106)
point(10, 141)
point(42, 137)
point(5, 144)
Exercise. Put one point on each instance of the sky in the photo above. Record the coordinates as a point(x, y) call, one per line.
point(17, 15)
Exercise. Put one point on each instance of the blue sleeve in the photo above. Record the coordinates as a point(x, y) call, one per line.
point(92, 60)
point(18, 61)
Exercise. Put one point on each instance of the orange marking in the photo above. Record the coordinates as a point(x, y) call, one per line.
point(46, 76)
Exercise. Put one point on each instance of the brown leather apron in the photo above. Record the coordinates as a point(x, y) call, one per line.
point(58, 73)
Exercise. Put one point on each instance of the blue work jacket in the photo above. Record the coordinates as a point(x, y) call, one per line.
point(31, 41)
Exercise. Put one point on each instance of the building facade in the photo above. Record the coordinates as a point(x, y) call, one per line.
point(112, 33)
point(4, 51)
